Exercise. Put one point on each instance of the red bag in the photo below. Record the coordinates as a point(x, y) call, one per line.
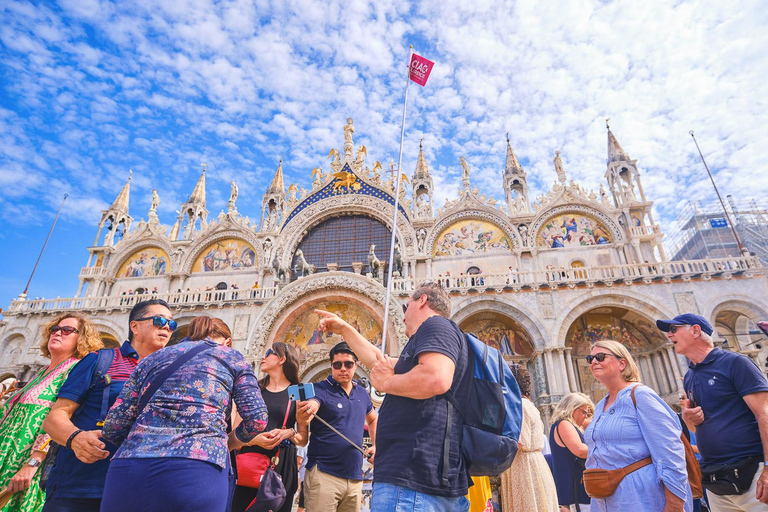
point(251, 468)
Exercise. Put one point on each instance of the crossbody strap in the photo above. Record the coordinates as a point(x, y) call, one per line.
point(276, 459)
point(169, 370)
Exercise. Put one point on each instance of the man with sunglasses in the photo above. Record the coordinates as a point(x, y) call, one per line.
point(76, 482)
point(726, 405)
point(333, 480)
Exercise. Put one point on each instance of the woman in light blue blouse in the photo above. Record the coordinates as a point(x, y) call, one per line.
point(173, 455)
point(622, 434)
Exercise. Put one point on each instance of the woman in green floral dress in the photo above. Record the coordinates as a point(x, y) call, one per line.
point(23, 443)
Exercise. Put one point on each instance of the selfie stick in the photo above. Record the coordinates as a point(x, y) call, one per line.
point(342, 435)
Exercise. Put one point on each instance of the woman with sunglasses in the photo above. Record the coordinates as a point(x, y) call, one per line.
point(632, 425)
point(281, 366)
point(23, 443)
point(173, 454)
point(566, 439)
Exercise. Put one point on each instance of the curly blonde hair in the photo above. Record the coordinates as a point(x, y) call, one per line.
point(88, 340)
point(567, 406)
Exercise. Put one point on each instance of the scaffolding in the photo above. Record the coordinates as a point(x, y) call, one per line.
point(702, 231)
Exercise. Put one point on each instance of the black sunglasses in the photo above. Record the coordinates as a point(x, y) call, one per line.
point(160, 321)
point(405, 307)
point(347, 364)
point(674, 328)
point(66, 329)
point(600, 357)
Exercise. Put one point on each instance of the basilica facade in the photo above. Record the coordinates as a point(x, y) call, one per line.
point(539, 278)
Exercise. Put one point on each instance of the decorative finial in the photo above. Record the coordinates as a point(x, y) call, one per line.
point(606, 123)
point(420, 141)
point(205, 166)
point(507, 137)
point(130, 172)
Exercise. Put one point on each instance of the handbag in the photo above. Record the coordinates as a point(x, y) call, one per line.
point(730, 479)
point(251, 467)
point(601, 483)
point(271, 495)
point(691, 463)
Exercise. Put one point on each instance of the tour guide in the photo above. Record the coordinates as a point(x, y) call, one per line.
point(411, 471)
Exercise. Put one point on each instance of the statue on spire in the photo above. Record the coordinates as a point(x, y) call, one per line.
point(231, 208)
point(349, 145)
point(464, 172)
point(559, 168)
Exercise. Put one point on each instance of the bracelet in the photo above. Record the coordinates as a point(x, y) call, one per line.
point(295, 432)
point(71, 437)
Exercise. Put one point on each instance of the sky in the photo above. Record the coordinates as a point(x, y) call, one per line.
point(92, 89)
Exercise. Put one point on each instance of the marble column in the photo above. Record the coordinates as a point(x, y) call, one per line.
point(572, 380)
point(80, 288)
point(562, 370)
point(429, 268)
point(552, 379)
point(675, 366)
point(650, 373)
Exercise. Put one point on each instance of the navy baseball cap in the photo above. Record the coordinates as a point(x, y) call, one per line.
point(686, 319)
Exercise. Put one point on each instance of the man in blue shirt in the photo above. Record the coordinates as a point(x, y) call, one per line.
point(726, 406)
point(76, 482)
point(333, 480)
point(413, 470)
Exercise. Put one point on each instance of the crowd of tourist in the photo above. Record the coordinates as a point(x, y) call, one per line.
point(152, 427)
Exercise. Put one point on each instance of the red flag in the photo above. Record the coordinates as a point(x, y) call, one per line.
point(420, 69)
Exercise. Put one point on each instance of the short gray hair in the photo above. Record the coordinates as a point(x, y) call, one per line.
point(438, 298)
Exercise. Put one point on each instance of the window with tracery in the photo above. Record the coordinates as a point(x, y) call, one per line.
point(344, 240)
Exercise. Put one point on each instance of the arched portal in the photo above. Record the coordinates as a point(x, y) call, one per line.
point(637, 332)
point(735, 326)
point(109, 340)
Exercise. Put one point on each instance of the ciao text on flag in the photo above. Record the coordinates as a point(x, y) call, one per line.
point(420, 69)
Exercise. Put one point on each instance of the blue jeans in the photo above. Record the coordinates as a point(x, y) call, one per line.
point(394, 498)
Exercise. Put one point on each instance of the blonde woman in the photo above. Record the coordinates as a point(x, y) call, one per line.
point(625, 432)
point(569, 452)
point(23, 443)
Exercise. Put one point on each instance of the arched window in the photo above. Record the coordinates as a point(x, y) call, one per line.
point(578, 274)
point(344, 240)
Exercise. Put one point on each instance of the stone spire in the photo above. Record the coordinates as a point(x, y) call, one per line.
point(512, 166)
point(615, 152)
point(422, 170)
point(121, 202)
point(277, 182)
point(198, 194)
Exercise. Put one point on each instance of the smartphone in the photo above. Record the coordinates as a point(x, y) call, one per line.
point(20, 384)
point(303, 391)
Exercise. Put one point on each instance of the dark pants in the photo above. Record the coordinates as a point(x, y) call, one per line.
point(54, 504)
point(164, 484)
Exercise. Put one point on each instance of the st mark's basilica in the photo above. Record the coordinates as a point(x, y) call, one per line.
point(539, 278)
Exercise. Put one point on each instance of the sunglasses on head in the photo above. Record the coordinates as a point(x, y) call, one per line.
point(674, 328)
point(347, 364)
point(160, 321)
point(600, 357)
point(66, 329)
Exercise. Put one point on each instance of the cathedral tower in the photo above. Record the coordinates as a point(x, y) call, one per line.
point(273, 205)
point(193, 210)
point(515, 185)
point(422, 188)
point(116, 219)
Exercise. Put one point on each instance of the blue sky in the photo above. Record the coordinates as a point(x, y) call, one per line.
point(92, 89)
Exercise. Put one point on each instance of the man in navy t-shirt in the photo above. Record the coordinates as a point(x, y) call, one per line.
point(333, 480)
point(412, 470)
point(76, 482)
point(726, 406)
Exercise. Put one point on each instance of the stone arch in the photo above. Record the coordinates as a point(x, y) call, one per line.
point(625, 319)
point(105, 325)
point(304, 293)
point(116, 263)
point(607, 222)
point(203, 242)
point(733, 317)
point(525, 318)
point(447, 221)
point(344, 204)
point(14, 344)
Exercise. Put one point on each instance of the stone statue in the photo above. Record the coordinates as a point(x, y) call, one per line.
point(559, 167)
point(232, 196)
point(421, 235)
point(464, 172)
point(523, 229)
point(267, 245)
point(349, 130)
point(422, 206)
point(304, 268)
point(155, 201)
point(373, 261)
point(519, 203)
point(398, 263)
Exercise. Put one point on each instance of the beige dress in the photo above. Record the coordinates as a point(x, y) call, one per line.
point(528, 485)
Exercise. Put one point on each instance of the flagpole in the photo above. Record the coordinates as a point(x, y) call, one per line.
point(394, 216)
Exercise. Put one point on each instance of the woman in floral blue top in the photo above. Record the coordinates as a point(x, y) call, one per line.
point(174, 455)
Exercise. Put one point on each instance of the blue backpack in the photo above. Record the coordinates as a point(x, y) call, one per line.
point(493, 413)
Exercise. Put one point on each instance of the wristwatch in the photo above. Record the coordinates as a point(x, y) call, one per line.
point(33, 462)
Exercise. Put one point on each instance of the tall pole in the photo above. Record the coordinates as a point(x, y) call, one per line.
point(394, 216)
point(24, 293)
point(742, 250)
